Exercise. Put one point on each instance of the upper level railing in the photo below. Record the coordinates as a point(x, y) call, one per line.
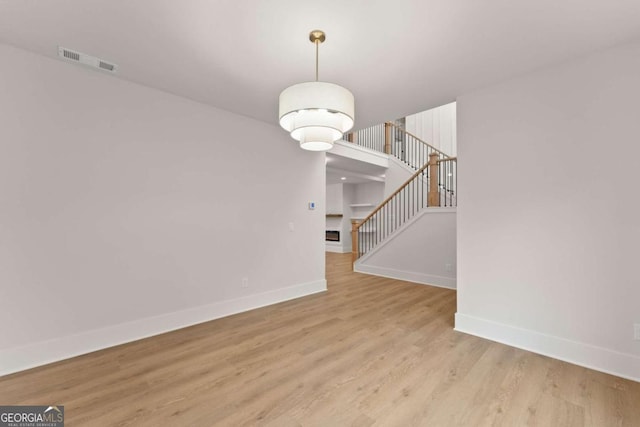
point(432, 185)
point(392, 139)
point(372, 137)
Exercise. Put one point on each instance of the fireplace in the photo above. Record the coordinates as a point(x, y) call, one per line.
point(332, 235)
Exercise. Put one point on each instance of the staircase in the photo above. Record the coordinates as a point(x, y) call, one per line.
point(433, 184)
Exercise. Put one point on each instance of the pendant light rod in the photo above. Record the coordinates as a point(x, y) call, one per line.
point(317, 37)
point(317, 49)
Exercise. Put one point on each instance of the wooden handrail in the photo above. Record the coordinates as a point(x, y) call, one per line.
point(438, 187)
point(407, 182)
point(384, 202)
point(413, 136)
point(381, 205)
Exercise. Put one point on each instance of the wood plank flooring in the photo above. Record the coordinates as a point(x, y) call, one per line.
point(370, 351)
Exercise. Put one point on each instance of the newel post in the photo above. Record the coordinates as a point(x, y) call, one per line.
point(387, 138)
point(434, 194)
point(354, 239)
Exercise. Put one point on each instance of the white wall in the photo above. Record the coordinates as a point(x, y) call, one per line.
point(422, 251)
point(368, 195)
point(334, 199)
point(548, 218)
point(437, 127)
point(349, 191)
point(126, 211)
point(369, 192)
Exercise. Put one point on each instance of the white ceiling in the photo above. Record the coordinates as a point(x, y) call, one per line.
point(397, 57)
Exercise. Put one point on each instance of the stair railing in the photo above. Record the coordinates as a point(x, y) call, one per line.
point(447, 171)
point(391, 139)
point(410, 149)
point(432, 185)
point(372, 137)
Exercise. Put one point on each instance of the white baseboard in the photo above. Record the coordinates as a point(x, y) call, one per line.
point(42, 353)
point(590, 356)
point(409, 276)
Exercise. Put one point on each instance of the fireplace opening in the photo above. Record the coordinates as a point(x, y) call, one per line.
point(332, 235)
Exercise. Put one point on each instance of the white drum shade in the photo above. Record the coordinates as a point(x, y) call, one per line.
point(316, 113)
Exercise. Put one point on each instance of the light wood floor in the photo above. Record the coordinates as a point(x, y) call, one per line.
point(370, 351)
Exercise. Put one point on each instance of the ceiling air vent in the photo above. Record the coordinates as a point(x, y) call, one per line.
point(71, 55)
point(106, 66)
point(83, 58)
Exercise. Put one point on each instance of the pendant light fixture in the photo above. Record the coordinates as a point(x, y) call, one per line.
point(316, 113)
